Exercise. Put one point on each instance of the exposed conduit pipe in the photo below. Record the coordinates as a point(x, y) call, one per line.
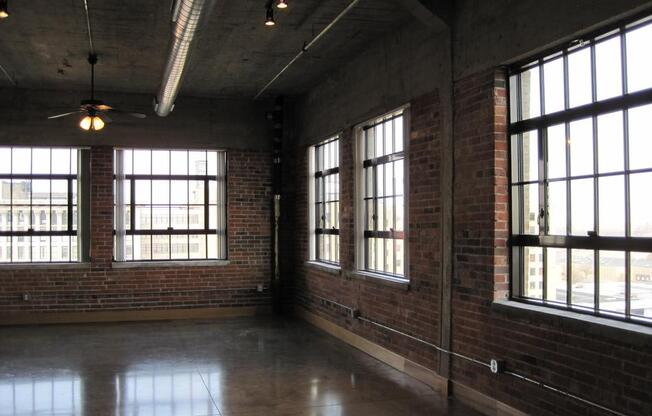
point(355, 313)
point(309, 45)
point(187, 18)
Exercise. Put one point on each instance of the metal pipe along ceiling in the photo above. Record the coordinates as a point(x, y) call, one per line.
point(187, 18)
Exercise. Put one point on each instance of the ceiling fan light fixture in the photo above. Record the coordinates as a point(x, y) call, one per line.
point(282, 4)
point(89, 122)
point(98, 123)
point(4, 11)
point(269, 19)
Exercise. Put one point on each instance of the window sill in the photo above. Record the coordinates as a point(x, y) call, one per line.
point(579, 322)
point(43, 266)
point(383, 280)
point(170, 263)
point(328, 268)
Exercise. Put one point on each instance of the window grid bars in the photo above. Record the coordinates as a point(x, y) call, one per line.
point(321, 175)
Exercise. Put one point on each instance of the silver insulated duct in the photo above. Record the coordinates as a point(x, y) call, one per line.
point(187, 16)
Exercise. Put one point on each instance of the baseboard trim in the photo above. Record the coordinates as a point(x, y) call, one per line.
point(481, 402)
point(30, 318)
point(421, 373)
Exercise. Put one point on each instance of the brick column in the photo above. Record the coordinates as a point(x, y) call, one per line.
point(101, 247)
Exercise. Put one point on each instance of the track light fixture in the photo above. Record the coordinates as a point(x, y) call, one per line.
point(282, 4)
point(4, 12)
point(269, 20)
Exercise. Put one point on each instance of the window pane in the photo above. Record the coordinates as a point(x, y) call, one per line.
point(60, 248)
point(640, 137)
point(179, 247)
point(530, 94)
point(160, 162)
point(553, 73)
point(197, 246)
point(611, 155)
point(398, 134)
point(179, 192)
point(388, 137)
point(179, 217)
point(612, 206)
point(5, 218)
point(59, 190)
point(581, 147)
point(530, 156)
point(557, 208)
point(41, 161)
point(612, 281)
point(160, 192)
point(641, 281)
point(582, 269)
point(371, 253)
point(142, 247)
point(41, 192)
point(212, 217)
point(608, 69)
point(160, 247)
point(557, 151)
point(399, 177)
point(640, 204)
point(21, 191)
point(579, 77)
point(160, 217)
point(20, 218)
point(196, 194)
point(533, 273)
point(61, 161)
point(400, 214)
point(5, 163)
point(196, 217)
point(513, 99)
point(21, 160)
point(639, 59)
point(380, 180)
point(400, 258)
point(20, 249)
point(531, 209)
point(41, 249)
point(197, 162)
point(42, 218)
point(143, 191)
point(582, 207)
point(142, 162)
point(179, 162)
point(143, 218)
point(556, 282)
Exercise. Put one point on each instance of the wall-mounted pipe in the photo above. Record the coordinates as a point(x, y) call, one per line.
point(187, 18)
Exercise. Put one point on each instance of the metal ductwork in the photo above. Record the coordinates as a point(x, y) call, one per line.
point(187, 18)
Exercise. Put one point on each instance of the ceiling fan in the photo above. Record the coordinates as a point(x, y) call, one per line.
point(95, 110)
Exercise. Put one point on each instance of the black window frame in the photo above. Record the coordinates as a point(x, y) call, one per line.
point(71, 207)
point(320, 177)
point(170, 231)
point(520, 240)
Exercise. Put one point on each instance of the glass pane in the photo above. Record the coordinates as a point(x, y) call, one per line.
point(197, 162)
point(20, 249)
point(557, 151)
point(639, 59)
point(41, 191)
point(160, 192)
point(380, 255)
point(389, 255)
point(380, 213)
point(608, 69)
point(142, 162)
point(582, 207)
point(196, 217)
point(5, 194)
point(73, 161)
point(212, 192)
point(21, 191)
point(640, 137)
point(59, 218)
point(641, 282)
point(370, 214)
point(515, 158)
point(611, 155)
point(160, 217)
point(582, 278)
point(388, 136)
point(42, 218)
point(513, 98)
point(196, 194)
point(143, 218)
point(179, 217)
point(197, 246)
point(612, 281)
point(533, 273)
point(553, 73)
point(531, 209)
point(399, 177)
point(5, 249)
point(60, 248)
point(160, 247)
point(20, 218)
point(5, 163)
point(142, 247)
point(579, 77)
point(59, 191)
point(378, 140)
point(556, 282)
point(161, 162)
point(179, 162)
point(179, 192)
point(179, 247)
point(400, 258)
point(61, 161)
point(380, 180)
point(530, 94)
point(612, 206)
point(41, 161)
point(212, 217)
point(212, 247)
point(143, 191)
point(400, 214)
point(640, 204)
point(128, 161)
point(211, 164)
point(557, 208)
point(581, 147)
point(21, 160)
point(398, 134)
point(41, 249)
point(530, 156)
point(5, 218)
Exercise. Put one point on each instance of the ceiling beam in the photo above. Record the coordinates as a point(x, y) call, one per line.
point(436, 14)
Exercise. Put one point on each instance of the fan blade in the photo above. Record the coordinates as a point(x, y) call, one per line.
point(137, 115)
point(103, 107)
point(106, 118)
point(64, 114)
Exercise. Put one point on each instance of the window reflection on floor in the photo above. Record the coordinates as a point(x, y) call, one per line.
point(42, 396)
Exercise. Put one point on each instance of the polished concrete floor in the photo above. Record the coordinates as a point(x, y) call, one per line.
point(235, 366)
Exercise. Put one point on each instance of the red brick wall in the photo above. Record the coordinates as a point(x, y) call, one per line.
point(614, 370)
point(98, 286)
point(414, 310)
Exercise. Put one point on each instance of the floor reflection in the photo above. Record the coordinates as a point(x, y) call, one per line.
point(50, 395)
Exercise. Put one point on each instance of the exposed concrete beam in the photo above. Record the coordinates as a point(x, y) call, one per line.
point(436, 14)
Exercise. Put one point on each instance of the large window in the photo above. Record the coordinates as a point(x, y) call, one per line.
point(170, 205)
point(325, 200)
point(38, 205)
point(581, 175)
point(381, 196)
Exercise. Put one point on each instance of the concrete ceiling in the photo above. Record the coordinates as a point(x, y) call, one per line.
point(44, 44)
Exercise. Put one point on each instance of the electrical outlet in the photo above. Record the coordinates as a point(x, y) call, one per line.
point(27, 297)
point(497, 366)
